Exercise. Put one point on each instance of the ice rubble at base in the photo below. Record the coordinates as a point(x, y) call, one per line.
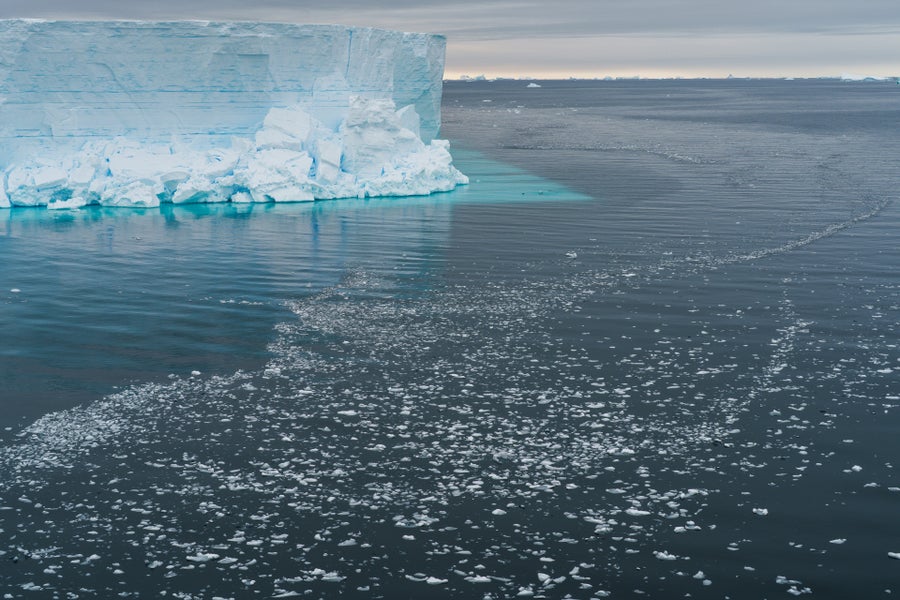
point(376, 151)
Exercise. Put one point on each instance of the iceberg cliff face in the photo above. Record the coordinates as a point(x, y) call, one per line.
point(137, 113)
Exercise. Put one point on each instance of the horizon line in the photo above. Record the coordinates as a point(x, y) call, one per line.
point(845, 77)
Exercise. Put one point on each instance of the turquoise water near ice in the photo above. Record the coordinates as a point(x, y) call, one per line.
point(657, 357)
point(104, 297)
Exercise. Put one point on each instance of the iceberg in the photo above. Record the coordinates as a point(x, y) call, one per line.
point(138, 113)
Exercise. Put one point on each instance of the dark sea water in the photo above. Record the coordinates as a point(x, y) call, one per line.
point(651, 351)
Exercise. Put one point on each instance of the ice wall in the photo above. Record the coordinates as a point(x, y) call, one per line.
point(84, 106)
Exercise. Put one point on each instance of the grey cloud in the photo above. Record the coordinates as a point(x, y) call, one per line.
point(473, 19)
point(525, 36)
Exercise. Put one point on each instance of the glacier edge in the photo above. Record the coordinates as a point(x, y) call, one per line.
point(108, 113)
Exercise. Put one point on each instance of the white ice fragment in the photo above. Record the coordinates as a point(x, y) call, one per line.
point(837, 541)
point(797, 591)
point(47, 178)
point(895, 555)
point(664, 555)
point(202, 557)
point(498, 512)
point(761, 511)
point(293, 122)
point(327, 153)
point(374, 137)
point(409, 118)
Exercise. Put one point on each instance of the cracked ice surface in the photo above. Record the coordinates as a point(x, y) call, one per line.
point(138, 113)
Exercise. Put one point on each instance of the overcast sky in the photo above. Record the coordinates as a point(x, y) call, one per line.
point(562, 38)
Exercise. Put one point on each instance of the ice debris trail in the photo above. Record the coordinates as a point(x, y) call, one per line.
point(452, 433)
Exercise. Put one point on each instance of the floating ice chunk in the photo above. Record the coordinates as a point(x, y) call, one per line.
point(857, 77)
point(202, 557)
point(761, 511)
point(663, 555)
point(895, 555)
point(796, 591)
point(328, 576)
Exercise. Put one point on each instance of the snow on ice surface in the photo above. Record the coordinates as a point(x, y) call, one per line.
point(138, 113)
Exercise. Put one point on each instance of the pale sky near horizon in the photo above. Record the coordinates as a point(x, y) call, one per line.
point(585, 38)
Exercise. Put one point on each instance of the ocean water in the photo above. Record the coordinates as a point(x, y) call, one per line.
point(650, 351)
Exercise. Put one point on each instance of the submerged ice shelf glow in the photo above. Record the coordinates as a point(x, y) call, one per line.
point(138, 113)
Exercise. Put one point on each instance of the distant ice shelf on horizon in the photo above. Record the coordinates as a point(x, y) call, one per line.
point(848, 77)
point(139, 113)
